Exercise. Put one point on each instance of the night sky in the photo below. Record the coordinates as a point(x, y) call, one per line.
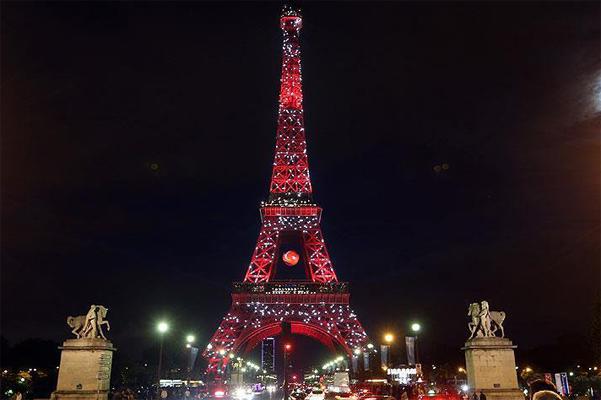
point(137, 142)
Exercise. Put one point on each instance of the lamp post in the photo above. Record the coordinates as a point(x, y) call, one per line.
point(385, 350)
point(287, 348)
point(162, 328)
point(416, 327)
point(189, 340)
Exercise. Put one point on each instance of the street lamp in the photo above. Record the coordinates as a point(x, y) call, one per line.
point(162, 328)
point(385, 350)
point(189, 340)
point(287, 348)
point(416, 327)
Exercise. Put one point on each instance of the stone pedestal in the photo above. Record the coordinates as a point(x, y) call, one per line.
point(490, 365)
point(85, 370)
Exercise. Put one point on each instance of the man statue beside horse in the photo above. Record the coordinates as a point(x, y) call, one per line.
point(484, 323)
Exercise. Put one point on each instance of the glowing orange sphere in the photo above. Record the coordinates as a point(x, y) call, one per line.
point(290, 258)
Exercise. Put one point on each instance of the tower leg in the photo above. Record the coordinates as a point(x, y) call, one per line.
point(261, 264)
point(319, 260)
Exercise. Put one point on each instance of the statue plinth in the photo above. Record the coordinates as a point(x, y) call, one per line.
point(85, 369)
point(490, 365)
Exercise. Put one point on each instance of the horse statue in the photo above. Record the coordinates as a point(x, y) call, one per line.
point(484, 323)
point(90, 325)
point(102, 311)
point(77, 323)
point(497, 317)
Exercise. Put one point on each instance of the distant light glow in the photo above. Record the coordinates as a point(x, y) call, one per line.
point(162, 327)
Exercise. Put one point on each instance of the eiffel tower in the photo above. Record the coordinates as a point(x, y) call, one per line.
point(317, 306)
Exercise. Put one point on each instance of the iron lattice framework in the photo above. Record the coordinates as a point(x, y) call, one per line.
point(318, 307)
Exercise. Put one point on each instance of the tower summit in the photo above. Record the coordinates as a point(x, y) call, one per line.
point(290, 208)
point(262, 307)
point(290, 177)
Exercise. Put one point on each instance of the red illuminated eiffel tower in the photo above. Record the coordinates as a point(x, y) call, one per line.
point(318, 306)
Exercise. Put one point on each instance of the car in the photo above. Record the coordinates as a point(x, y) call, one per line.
point(298, 394)
point(369, 396)
point(338, 393)
point(316, 394)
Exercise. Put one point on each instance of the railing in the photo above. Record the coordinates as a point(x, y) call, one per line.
point(301, 211)
point(291, 292)
point(290, 287)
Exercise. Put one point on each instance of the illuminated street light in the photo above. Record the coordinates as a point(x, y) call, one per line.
point(389, 338)
point(416, 327)
point(461, 369)
point(287, 348)
point(162, 327)
point(189, 340)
